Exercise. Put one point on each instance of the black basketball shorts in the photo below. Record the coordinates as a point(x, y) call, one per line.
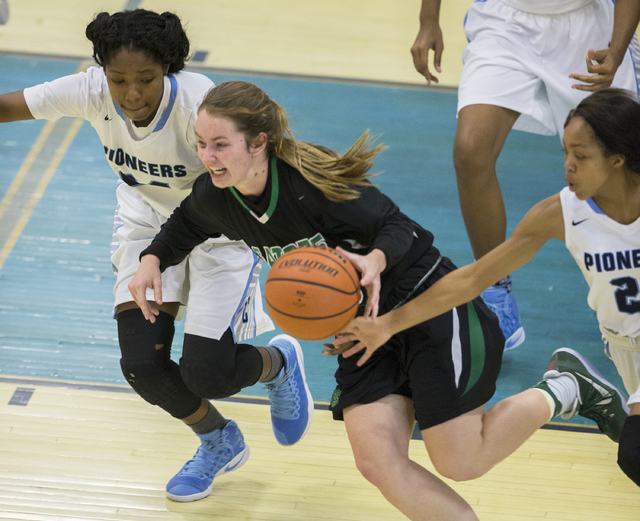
point(447, 365)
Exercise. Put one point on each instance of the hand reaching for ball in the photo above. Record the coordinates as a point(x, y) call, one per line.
point(370, 267)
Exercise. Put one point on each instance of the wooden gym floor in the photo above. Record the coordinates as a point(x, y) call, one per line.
point(77, 444)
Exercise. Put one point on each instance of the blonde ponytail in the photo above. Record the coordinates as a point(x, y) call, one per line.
point(337, 176)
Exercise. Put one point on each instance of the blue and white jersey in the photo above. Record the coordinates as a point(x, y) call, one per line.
point(159, 161)
point(608, 254)
point(547, 7)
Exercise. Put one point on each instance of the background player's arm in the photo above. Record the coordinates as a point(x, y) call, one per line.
point(603, 64)
point(625, 23)
point(429, 39)
point(13, 107)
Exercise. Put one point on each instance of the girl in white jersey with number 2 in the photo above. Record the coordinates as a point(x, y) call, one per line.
point(144, 108)
point(522, 69)
point(598, 217)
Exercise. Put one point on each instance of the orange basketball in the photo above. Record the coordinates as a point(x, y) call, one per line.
point(312, 292)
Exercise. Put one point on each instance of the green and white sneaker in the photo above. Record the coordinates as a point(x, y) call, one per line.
point(598, 400)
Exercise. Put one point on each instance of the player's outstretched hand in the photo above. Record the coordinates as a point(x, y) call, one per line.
point(602, 67)
point(370, 267)
point(366, 333)
point(429, 39)
point(147, 276)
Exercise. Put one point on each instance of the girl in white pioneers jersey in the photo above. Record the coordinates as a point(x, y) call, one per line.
point(598, 217)
point(528, 62)
point(144, 107)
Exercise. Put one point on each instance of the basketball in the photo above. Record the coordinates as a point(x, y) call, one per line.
point(312, 292)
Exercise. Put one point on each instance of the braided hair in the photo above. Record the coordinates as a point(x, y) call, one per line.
point(160, 35)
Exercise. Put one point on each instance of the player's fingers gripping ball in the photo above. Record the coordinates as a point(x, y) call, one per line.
point(312, 292)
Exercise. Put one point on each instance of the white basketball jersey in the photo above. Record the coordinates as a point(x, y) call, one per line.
point(160, 162)
point(547, 7)
point(608, 254)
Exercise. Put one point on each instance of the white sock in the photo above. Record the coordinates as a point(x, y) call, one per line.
point(565, 390)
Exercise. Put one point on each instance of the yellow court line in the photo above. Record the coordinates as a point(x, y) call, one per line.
point(24, 169)
point(46, 178)
point(39, 191)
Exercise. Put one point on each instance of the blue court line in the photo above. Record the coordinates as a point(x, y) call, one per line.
point(320, 406)
point(132, 4)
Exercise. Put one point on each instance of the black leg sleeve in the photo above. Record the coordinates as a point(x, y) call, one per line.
point(147, 366)
point(629, 449)
point(219, 368)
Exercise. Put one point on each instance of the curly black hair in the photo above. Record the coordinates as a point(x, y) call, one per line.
point(161, 35)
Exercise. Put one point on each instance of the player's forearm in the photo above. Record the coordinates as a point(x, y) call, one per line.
point(429, 11)
point(626, 19)
point(454, 289)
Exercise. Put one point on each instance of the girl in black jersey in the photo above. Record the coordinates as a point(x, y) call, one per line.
point(276, 193)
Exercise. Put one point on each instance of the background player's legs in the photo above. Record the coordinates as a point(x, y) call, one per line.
point(480, 135)
point(629, 448)
point(379, 434)
point(627, 363)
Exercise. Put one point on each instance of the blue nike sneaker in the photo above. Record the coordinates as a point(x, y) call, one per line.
point(221, 451)
point(502, 302)
point(291, 401)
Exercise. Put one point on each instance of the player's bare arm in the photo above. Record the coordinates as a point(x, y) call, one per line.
point(429, 39)
point(541, 223)
point(603, 64)
point(13, 107)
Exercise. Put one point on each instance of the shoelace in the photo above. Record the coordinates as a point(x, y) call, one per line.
point(208, 459)
point(285, 399)
point(503, 310)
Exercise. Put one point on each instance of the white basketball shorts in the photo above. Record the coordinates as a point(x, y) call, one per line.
point(218, 282)
point(627, 361)
point(522, 61)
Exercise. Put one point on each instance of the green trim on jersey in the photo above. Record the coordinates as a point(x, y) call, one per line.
point(275, 189)
point(476, 347)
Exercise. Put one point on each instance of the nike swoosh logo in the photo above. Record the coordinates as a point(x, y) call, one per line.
point(576, 223)
point(602, 390)
point(233, 467)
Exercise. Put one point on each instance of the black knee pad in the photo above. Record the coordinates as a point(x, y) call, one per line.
point(146, 362)
point(629, 449)
point(217, 369)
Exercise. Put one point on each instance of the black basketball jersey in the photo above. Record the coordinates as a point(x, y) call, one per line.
point(289, 214)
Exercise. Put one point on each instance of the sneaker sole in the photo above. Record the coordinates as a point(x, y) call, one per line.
point(591, 369)
point(300, 359)
point(515, 339)
point(237, 462)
